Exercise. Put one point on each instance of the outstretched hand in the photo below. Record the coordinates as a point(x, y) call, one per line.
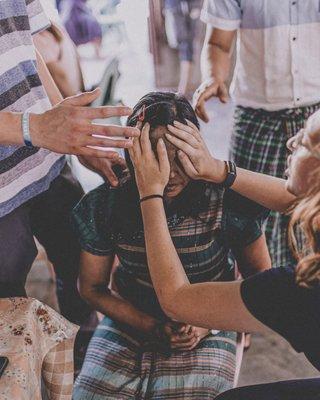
point(151, 172)
point(68, 128)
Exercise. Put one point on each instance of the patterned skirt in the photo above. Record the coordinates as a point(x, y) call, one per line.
point(118, 366)
point(259, 144)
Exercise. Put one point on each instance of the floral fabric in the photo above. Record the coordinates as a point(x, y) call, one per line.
point(38, 342)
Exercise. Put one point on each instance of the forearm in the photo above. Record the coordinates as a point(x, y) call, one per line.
point(216, 60)
point(266, 190)
point(221, 304)
point(118, 309)
point(10, 128)
point(10, 123)
point(49, 85)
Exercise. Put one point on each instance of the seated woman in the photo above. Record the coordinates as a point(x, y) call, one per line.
point(137, 352)
point(285, 299)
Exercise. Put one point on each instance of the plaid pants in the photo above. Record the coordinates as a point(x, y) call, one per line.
point(259, 144)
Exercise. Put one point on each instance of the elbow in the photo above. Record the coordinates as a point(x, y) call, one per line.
point(85, 291)
point(171, 312)
point(170, 305)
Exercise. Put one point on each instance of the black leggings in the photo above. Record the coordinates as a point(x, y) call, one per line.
point(306, 389)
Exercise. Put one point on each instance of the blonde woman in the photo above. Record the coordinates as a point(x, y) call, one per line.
point(285, 299)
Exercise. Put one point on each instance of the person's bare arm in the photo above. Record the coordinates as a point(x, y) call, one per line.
point(216, 62)
point(198, 163)
point(221, 308)
point(68, 127)
point(49, 85)
point(94, 279)
point(221, 303)
point(253, 258)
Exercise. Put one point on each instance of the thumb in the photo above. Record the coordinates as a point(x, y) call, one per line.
point(223, 94)
point(83, 99)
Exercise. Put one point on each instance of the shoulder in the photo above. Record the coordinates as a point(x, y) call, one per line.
point(92, 219)
point(275, 299)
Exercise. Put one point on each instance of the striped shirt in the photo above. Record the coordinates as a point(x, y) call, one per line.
point(279, 52)
point(24, 172)
point(107, 222)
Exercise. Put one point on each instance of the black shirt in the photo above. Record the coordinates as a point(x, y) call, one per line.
point(294, 312)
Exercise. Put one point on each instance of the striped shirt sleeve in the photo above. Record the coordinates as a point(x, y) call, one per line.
point(222, 14)
point(37, 16)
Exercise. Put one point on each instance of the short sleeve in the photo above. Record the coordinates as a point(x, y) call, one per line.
point(274, 298)
point(37, 17)
point(222, 14)
point(91, 220)
point(243, 220)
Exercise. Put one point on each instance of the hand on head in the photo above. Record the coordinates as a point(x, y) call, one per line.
point(151, 172)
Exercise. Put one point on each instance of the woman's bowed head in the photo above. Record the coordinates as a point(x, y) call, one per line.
point(182, 145)
point(157, 107)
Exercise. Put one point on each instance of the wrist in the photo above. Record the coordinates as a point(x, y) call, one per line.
point(217, 172)
point(149, 325)
point(151, 191)
point(35, 129)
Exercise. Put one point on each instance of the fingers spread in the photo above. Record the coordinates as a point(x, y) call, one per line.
point(136, 149)
point(186, 143)
point(83, 99)
point(145, 140)
point(187, 165)
point(90, 152)
point(164, 163)
point(112, 130)
point(106, 142)
point(195, 129)
point(106, 112)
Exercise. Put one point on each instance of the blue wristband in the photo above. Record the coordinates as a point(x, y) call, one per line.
point(25, 122)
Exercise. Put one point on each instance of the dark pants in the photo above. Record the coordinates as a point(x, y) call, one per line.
point(306, 389)
point(47, 217)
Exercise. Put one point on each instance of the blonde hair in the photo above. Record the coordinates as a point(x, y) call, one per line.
point(306, 216)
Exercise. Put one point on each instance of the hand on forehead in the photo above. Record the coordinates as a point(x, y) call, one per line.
point(160, 132)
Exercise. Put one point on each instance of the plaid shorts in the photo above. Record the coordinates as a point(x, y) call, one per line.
point(259, 144)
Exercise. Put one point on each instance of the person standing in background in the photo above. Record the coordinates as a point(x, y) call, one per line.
point(181, 18)
point(80, 23)
point(277, 84)
point(37, 189)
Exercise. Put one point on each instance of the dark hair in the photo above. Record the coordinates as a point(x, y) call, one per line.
point(161, 109)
